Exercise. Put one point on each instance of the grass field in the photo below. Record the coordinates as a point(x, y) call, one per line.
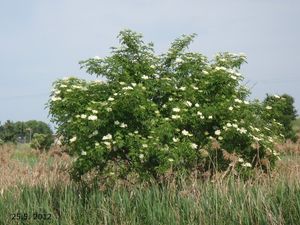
point(35, 189)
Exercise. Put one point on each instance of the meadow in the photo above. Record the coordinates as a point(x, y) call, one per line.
point(35, 188)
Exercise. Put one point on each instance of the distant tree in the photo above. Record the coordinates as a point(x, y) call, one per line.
point(7, 132)
point(281, 108)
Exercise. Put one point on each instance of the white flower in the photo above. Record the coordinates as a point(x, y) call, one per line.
point(110, 99)
point(243, 130)
point(55, 98)
point(116, 122)
point(145, 77)
point(175, 117)
point(95, 133)
point(230, 108)
point(144, 145)
point(127, 88)
point(57, 92)
point(108, 144)
point(206, 133)
point(171, 160)
point(107, 137)
point(228, 124)
point(210, 117)
point(256, 138)
point(220, 138)
point(95, 111)
point(220, 68)
point(246, 102)
point(247, 164)
point(199, 113)
point(195, 88)
point(205, 72)
point(238, 100)
point(175, 139)
point(122, 83)
point(83, 116)
point(83, 153)
point(133, 84)
point(176, 110)
point(73, 139)
point(97, 144)
point(76, 87)
point(217, 132)
point(188, 103)
point(92, 117)
point(233, 77)
point(182, 88)
point(108, 109)
point(268, 107)
point(152, 67)
point(141, 156)
point(123, 125)
point(96, 58)
point(235, 125)
point(178, 60)
point(186, 133)
point(241, 160)
point(197, 105)
point(63, 86)
point(276, 96)
point(194, 146)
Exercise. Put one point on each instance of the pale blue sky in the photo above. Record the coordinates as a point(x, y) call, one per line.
point(41, 41)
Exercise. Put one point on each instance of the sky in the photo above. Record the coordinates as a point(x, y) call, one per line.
point(42, 41)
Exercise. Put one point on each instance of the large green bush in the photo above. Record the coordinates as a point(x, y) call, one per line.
point(156, 114)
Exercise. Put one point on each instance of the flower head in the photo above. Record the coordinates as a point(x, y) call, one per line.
point(107, 137)
point(92, 117)
point(218, 132)
point(73, 139)
point(194, 146)
point(176, 110)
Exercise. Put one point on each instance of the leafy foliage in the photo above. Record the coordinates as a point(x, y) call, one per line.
point(282, 109)
point(41, 141)
point(154, 114)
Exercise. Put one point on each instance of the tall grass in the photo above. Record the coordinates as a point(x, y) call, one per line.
point(271, 199)
point(206, 203)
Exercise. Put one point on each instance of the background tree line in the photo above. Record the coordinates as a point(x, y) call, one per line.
point(37, 133)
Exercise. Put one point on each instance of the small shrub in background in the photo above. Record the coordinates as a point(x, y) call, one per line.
point(154, 114)
point(282, 109)
point(41, 141)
